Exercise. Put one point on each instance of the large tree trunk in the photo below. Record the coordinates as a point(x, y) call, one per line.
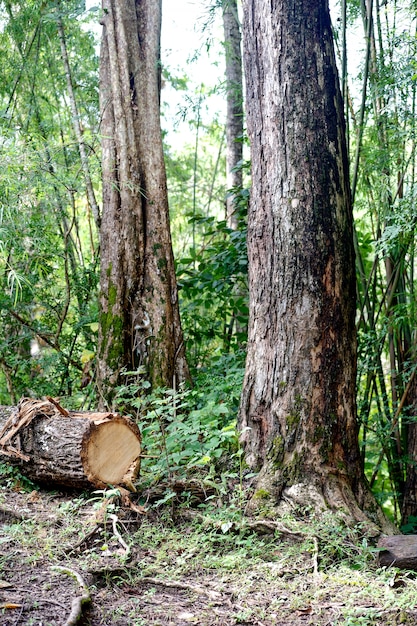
point(73, 449)
point(139, 314)
point(298, 410)
point(234, 119)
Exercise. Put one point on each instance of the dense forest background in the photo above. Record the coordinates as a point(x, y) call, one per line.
point(50, 193)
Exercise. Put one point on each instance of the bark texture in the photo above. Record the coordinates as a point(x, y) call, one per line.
point(409, 503)
point(298, 409)
point(139, 315)
point(398, 551)
point(76, 450)
point(234, 119)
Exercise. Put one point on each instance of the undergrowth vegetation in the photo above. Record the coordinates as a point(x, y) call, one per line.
point(187, 429)
point(49, 253)
point(188, 525)
point(205, 556)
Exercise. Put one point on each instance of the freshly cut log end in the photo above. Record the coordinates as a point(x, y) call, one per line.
point(74, 449)
point(109, 451)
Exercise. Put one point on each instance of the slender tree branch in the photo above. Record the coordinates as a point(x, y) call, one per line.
point(44, 337)
point(77, 125)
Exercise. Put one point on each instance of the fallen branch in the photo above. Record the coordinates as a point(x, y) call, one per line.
point(118, 536)
point(177, 584)
point(79, 601)
point(259, 526)
point(271, 526)
point(316, 556)
point(82, 541)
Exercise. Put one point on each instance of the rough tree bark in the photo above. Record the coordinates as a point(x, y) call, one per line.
point(69, 448)
point(139, 315)
point(234, 119)
point(398, 551)
point(409, 503)
point(298, 410)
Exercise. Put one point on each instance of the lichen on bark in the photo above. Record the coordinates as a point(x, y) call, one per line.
point(298, 408)
point(139, 315)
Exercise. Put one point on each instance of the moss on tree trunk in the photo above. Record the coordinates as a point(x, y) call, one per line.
point(139, 314)
point(298, 408)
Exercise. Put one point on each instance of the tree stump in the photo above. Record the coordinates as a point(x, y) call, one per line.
point(398, 551)
point(73, 449)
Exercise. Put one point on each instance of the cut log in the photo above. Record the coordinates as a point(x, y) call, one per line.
point(398, 551)
point(73, 449)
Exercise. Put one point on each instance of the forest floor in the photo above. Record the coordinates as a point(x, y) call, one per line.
point(89, 559)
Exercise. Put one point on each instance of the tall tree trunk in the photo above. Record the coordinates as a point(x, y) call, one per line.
point(234, 119)
point(298, 408)
point(139, 315)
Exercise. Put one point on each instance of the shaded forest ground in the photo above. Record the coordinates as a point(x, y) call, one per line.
point(182, 562)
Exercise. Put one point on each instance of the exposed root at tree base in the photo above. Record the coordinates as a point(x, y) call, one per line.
point(332, 493)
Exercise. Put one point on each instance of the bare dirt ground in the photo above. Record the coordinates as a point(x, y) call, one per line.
point(66, 559)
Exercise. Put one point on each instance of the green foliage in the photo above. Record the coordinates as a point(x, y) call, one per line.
point(211, 259)
point(187, 430)
point(49, 249)
point(48, 257)
point(385, 226)
point(338, 543)
point(12, 478)
point(410, 527)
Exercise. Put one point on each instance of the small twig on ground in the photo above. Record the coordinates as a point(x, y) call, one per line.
point(83, 540)
point(5, 512)
point(118, 536)
point(48, 601)
point(17, 620)
point(272, 526)
point(177, 584)
point(28, 593)
point(77, 603)
point(316, 556)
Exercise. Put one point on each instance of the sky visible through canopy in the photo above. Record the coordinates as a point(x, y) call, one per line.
point(191, 46)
